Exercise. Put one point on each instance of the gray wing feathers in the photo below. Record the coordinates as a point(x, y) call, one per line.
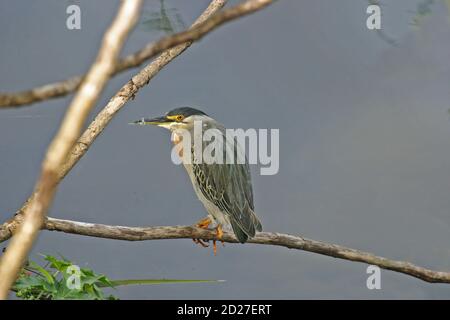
point(229, 187)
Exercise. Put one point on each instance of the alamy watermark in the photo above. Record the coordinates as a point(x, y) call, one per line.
point(213, 146)
point(373, 21)
point(73, 282)
point(73, 21)
point(374, 280)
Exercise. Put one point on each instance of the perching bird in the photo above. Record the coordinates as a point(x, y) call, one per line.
point(225, 188)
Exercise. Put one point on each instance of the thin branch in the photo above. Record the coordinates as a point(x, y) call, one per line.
point(70, 129)
point(201, 28)
point(264, 238)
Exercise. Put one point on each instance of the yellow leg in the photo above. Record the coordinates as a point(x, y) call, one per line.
point(203, 224)
point(219, 235)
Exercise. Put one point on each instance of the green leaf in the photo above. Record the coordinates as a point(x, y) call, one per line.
point(60, 265)
point(44, 272)
point(29, 281)
point(91, 279)
point(157, 281)
point(49, 282)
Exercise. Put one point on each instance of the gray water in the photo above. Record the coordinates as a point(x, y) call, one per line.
point(364, 143)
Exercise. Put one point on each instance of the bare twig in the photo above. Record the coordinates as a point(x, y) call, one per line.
point(70, 129)
point(200, 28)
point(264, 238)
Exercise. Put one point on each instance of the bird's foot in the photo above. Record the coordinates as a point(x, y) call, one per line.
point(203, 224)
point(201, 242)
point(219, 235)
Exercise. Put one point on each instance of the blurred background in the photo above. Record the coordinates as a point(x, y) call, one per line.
point(364, 142)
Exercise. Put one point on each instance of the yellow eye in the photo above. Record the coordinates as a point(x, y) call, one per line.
point(179, 118)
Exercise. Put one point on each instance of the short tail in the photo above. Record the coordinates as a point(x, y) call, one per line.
point(243, 234)
point(239, 232)
point(256, 222)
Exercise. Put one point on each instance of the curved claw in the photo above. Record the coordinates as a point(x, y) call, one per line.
point(203, 224)
point(200, 242)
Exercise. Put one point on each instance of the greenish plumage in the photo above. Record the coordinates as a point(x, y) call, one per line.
point(228, 186)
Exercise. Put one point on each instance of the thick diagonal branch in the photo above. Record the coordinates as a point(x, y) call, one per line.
point(201, 28)
point(61, 145)
point(264, 238)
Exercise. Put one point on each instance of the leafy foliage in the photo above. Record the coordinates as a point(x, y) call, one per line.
point(60, 279)
point(53, 282)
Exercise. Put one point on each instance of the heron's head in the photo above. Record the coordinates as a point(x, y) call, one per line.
point(179, 118)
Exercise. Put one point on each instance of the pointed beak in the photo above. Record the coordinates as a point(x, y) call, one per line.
point(154, 121)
